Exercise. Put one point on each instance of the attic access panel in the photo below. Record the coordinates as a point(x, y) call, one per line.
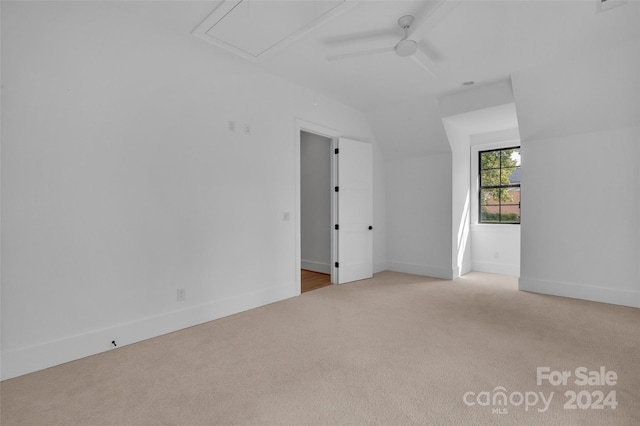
point(257, 29)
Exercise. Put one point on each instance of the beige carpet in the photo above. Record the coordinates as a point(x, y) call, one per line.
point(397, 349)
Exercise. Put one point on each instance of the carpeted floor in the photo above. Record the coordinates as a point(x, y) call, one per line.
point(397, 349)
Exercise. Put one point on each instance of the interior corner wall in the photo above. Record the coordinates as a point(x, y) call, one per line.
point(419, 215)
point(580, 127)
point(379, 210)
point(315, 202)
point(123, 182)
point(416, 159)
point(460, 199)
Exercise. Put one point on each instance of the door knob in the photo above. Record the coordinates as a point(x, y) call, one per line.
point(370, 227)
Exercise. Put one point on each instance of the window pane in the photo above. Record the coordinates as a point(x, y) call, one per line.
point(486, 217)
point(510, 206)
point(511, 196)
point(490, 177)
point(510, 218)
point(490, 208)
point(513, 176)
point(510, 176)
point(489, 160)
point(490, 197)
point(510, 157)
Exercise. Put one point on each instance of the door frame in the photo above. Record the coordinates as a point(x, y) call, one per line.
point(333, 135)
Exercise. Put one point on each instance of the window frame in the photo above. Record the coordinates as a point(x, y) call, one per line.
point(480, 187)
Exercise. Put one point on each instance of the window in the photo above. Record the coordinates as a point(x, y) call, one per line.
point(499, 194)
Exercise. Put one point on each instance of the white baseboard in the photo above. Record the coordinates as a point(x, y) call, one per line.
point(581, 291)
point(425, 270)
point(325, 268)
point(496, 268)
point(27, 360)
point(379, 267)
point(464, 269)
point(309, 265)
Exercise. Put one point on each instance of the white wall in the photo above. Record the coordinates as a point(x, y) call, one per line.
point(418, 184)
point(419, 216)
point(496, 249)
point(408, 129)
point(315, 202)
point(579, 121)
point(460, 198)
point(121, 181)
point(477, 98)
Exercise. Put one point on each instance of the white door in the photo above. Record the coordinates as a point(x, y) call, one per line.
point(354, 197)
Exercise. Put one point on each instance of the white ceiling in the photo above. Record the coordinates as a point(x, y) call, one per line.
point(479, 40)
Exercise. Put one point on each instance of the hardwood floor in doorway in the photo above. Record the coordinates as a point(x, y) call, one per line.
point(313, 280)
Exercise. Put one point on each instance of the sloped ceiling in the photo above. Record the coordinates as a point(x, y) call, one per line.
point(480, 41)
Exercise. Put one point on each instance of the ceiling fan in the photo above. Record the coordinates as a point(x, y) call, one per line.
point(414, 27)
point(405, 47)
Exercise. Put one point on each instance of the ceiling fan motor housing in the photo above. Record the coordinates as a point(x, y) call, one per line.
point(406, 47)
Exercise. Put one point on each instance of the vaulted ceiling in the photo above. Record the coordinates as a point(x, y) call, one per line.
point(480, 41)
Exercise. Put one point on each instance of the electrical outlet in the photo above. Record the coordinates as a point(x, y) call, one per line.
point(232, 126)
point(181, 294)
point(247, 129)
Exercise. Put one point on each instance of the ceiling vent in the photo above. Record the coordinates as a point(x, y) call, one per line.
point(602, 5)
point(255, 30)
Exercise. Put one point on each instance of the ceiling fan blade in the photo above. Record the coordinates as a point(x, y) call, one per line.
point(431, 52)
point(361, 53)
point(430, 16)
point(423, 60)
point(373, 35)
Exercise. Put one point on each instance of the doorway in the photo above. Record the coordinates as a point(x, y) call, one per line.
point(310, 280)
point(350, 193)
point(315, 210)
